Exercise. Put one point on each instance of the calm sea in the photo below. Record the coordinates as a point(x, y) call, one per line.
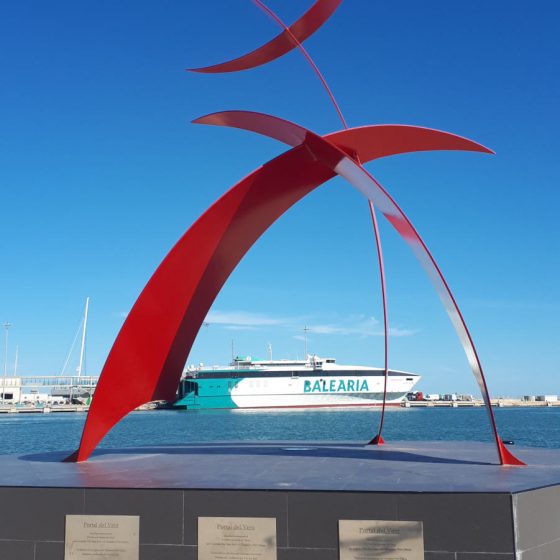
point(539, 427)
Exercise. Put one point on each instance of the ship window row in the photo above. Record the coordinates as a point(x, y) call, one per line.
point(286, 373)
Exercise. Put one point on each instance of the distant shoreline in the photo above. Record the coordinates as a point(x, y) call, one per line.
point(499, 402)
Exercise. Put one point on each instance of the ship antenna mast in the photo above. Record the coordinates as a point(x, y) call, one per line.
point(305, 331)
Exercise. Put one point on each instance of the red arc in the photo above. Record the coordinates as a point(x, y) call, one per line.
point(159, 331)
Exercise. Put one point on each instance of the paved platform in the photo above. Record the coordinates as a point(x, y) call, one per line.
point(394, 467)
point(471, 508)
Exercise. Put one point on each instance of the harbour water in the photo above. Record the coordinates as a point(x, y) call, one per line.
point(538, 427)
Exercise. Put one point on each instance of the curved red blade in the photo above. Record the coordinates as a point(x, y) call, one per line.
point(283, 43)
point(154, 342)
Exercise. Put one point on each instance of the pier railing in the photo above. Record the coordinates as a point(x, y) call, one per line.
point(50, 381)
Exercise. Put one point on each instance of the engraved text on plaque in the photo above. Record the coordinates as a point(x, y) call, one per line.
point(381, 540)
point(236, 538)
point(102, 537)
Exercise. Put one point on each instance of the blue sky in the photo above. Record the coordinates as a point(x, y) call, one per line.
point(101, 172)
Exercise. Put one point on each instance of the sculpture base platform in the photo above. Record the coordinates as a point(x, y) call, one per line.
point(471, 508)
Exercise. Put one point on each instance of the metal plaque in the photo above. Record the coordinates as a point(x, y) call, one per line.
point(381, 540)
point(102, 537)
point(236, 538)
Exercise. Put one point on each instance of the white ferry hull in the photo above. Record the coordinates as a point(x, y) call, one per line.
point(297, 392)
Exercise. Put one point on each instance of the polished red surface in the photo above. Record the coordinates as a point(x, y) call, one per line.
point(349, 167)
point(307, 57)
point(150, 351)
point(282, 43)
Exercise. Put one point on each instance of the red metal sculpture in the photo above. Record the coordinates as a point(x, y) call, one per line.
point(288, 40)
point(160, 329)
point(158, 333)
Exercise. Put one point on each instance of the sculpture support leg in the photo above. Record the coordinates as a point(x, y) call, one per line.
point(378, 439)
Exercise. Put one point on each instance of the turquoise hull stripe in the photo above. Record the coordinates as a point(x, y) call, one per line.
point(211, 393)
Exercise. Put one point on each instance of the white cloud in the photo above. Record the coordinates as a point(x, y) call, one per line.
point(395, 331)
point(358, 326)
point(353, 325)
point(242, 319)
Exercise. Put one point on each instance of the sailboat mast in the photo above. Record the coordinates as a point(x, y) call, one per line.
point(83, 339)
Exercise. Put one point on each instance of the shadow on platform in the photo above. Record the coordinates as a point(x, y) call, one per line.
point(331, 451)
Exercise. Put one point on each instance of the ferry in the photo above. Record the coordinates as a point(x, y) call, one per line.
point(313, 382)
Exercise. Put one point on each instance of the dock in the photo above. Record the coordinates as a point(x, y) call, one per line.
point(43, 409)
point(498, 403)
point(31, 409)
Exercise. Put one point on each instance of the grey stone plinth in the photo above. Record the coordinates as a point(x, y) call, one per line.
point(471, 508)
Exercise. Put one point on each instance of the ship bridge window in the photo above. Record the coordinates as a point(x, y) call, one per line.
point(410, 379)
point(330, 361)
